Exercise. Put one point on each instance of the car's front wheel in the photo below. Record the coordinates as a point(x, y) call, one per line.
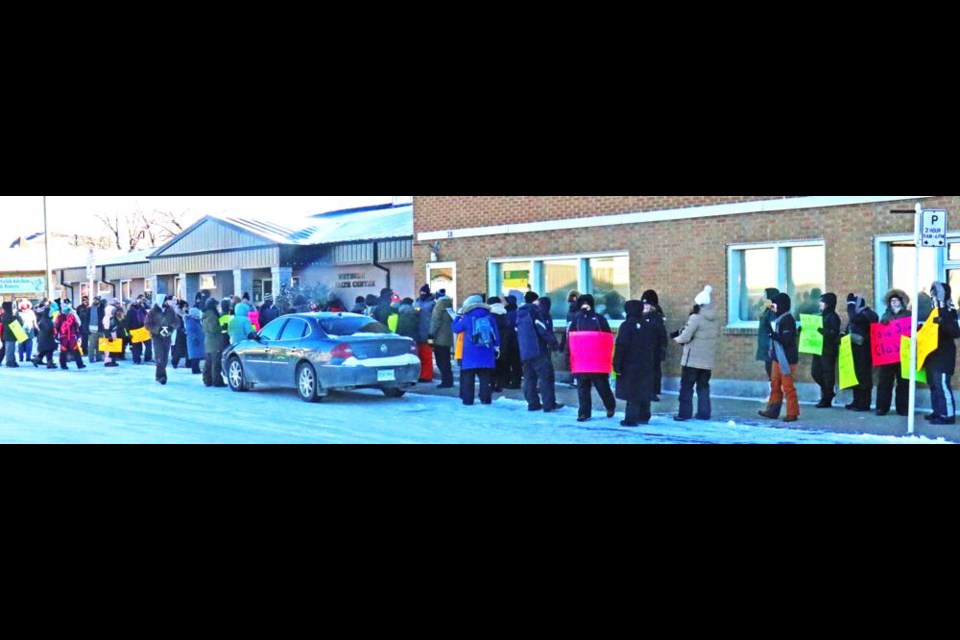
point(235, 376)
point(307, 385)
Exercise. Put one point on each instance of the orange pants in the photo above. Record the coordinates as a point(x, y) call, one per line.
point(425, 351)
point(782, 386)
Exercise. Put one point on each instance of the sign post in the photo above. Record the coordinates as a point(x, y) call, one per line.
point(91, 273)
point(930, 230)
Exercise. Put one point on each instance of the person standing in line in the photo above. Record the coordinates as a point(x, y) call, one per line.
point(539, 386)
point(501, 377)
point(441, 334)
point(268, 312)
point(10, 315)
point(572, 312)
point(359, 306)
point(179, 351)
point(481, 345)
point(511, 345)
point(767, 318)
point(824, 367)
point(162, 321)
point(109, 331)
point(193, 327)
point(29, 319)
point(635, 359)
point(651, 298)
point(589, 320)
point(83, 314)
point(95, 314)
point(861, 317)
point(213, 345)
point(897, 305)
point(786, 357)
point(941, 364)
point(136, 318)
point(423, 307)
point(699, 341)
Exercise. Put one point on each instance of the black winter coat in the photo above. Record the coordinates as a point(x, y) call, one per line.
point(945, 357)
point(831, 334)
point(862, 355)
point(786, 336)
point(635, 359)
point(45, 339)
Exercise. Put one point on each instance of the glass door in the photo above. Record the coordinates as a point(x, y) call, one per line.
point(443, 276)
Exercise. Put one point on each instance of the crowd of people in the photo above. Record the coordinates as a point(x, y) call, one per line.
point(501, 344)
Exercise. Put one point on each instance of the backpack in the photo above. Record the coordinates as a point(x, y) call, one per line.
point(483, 333)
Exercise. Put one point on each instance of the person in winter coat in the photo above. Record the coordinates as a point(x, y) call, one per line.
point(268, 312)
point(784, 344)
point(384, 308)
point(94, 329)
point(941, 364)
point(29, 319)
point(572, 311)
point(193, 327)
point(824, 367)
point(9, 339)
point(136, 318)
point(651, 298)
point(408, 324)
point(589, 320)
point(897, 305)
point(162, 322)
point(240, 327)
point(699, 340)
point(480, 346)
point(536, 342)
point(423, 307)
point(635, 359)
point(212, 345)
point(83, 314)
point(226, 317)
point(180, 338)
point(359, 306)
point(861, 317)
point(67, 329)
point(108, 328)
point(441, 335)
point(767, 317)
point(501, 377)
point(46, 338)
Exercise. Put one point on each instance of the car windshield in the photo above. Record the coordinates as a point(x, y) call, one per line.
point(349, 326)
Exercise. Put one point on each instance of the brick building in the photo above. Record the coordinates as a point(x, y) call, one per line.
point(616, 247)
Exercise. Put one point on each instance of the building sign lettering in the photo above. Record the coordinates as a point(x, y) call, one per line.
point(355, 281)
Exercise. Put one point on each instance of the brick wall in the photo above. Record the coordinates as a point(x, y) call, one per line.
point(678, 258)
point(438, 213)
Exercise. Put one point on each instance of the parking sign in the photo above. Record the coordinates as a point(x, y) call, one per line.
point(933, 228)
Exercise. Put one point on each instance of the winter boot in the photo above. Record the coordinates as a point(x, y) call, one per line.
point(772, 412)
point(826, 402)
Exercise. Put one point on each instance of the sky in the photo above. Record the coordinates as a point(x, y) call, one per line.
point(23, 215)
point(126, 406)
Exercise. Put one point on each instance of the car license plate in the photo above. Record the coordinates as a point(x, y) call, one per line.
point(387, 376)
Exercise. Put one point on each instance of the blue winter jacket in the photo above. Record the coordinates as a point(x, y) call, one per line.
point(533, 334)
point(194, 329)
point(477, 356)
point(424, 310)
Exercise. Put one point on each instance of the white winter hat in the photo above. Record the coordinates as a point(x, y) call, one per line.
point(704, 296)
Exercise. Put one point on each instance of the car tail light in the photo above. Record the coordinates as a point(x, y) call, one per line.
point(342, 352)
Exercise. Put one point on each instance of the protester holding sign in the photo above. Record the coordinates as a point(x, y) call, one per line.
point(897, 312)
point(861, 317)
point(10, 341)
point(941, 364)
point(786, 357)
point(824, 367)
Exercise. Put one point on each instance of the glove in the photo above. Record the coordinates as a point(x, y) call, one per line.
point(675, 335)
point(937, 320)
point(820, 330)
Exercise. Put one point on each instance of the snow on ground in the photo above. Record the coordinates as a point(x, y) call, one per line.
point(125, 406)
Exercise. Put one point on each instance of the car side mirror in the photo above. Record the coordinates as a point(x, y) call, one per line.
point(257, 337)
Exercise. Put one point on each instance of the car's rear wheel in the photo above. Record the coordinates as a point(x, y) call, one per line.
point(394, 393)
point(307, 385)
point(235, 376)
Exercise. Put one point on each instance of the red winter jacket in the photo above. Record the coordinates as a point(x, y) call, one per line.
point(68, 330)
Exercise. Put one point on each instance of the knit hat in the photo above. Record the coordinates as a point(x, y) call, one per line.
point(531, 296)
point(425, 289)
point(196, 314)
point(587, 300)
point(783, 304)
point(830, 301)
point(634, 308)
point(703, 298)
point(649, 297)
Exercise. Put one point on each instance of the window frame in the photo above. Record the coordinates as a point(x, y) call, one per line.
point(881, 266)
point(584, 274)
point(734, 262)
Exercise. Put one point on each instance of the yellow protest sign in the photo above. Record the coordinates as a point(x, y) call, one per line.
point(18, 332)
point(928, 339)
point(848, 375)
point(138, 336)
point(111, 346)
point(905, 362)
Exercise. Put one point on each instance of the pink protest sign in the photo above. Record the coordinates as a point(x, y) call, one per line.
point(885, 341)
point(592, 352)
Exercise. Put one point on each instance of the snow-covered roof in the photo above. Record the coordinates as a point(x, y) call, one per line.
point(34, 259)
point(351, 225)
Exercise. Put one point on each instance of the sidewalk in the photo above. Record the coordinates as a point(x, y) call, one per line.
point(742, 411)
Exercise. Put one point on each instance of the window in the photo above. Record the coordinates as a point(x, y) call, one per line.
point(605, 276)
point(208, 281)
point(294, 330)
point(798, 269)
point(343, 326)
point(896, 259)
point(272, 330)
point(125, 291)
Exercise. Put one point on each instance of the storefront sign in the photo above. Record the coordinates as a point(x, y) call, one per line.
point(355, 281)
point(23, 285)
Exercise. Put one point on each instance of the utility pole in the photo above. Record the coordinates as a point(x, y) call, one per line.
point(46, 244)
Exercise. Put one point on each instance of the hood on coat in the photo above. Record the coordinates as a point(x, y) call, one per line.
point(709, 312)
point(896, 293)
point(545, 305)
point(242, 310)
point(942, 295)
point(213, 305)
point(498, 309)
point(783, 303)
point(634, 308)
point(830, 301)
point(586, 299)
point(855, 303)
point(771, 293)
